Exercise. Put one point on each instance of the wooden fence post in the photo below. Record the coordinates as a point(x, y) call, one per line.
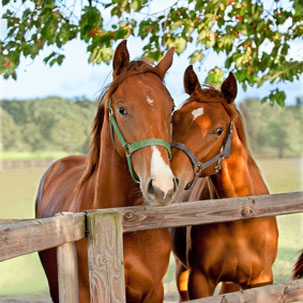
point(67, 271)
point(105, 257)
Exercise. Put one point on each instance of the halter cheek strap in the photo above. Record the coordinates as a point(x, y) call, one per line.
point(199, 166)
point(131, 148)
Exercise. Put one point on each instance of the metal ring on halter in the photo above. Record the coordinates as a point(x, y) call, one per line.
point(127, 149)
point(199, 165)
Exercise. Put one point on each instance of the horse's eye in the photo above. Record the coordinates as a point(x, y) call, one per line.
point(219, 131)
point(122, 110)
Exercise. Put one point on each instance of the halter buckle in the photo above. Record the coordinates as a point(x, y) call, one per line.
point(218, 166)
point(110, 111)
point(198, 168)
point(127, 149)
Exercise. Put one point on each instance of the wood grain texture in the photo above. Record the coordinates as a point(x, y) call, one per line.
point(209, 211)
point(105, 252)
point(27, 299)
point(68, 273)
point(10, 221)
point(278, 293)
point(25, 237)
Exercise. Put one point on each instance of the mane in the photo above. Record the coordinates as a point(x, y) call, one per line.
point(135, 67)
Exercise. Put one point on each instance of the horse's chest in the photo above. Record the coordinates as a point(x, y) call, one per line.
point(223, 253)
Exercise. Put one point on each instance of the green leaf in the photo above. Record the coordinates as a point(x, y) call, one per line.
point(179, 43)
point(52, 62)
point(26, 13)
point(60, 59)
point(101, 54)
point(175, 25)
point(215, 76)
point(90, 20)
point(121, 33)
point(196, 56)
point(46, 59)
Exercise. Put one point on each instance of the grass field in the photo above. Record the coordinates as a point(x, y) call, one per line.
point(20, 156)
point(24, 275)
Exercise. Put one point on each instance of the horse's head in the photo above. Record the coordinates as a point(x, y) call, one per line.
point(139, 109)
point(202, 129)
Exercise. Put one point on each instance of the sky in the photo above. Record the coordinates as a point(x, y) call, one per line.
point(76, 78)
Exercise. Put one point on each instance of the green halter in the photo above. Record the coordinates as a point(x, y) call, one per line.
point(131, 148)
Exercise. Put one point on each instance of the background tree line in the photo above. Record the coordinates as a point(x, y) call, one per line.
point(56, 124)
point(49, 124)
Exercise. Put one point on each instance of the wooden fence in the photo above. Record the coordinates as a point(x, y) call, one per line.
point(105, 245)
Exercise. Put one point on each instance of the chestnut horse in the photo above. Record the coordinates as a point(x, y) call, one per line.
point(128, 165)
point(209, 135)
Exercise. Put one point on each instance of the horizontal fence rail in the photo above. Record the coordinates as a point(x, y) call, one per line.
point(291, 292)
point(29, 236)
point(208, 211)
point(27, 299)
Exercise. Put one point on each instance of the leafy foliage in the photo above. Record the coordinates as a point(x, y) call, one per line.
point(255, 36)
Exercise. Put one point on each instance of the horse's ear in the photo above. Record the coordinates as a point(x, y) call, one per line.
point(166, 61)
point(121, 59)
point(191, 81)
point(229, 88)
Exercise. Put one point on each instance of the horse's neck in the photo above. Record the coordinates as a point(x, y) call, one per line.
point(114, 186)
point(239, 175)
point(111, 184)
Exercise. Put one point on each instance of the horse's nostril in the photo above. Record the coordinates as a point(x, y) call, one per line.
point(150, 188)
point(176, 183)
point(154, 191)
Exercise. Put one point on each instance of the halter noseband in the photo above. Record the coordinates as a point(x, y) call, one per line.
point(131, 148)
point(199, 166)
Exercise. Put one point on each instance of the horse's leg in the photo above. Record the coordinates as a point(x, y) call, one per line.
point(199, 285)
point(265, 278)
point(155, 296)
point(49, 261)
point(182, 280)
point(144, 293)
point(229, 287)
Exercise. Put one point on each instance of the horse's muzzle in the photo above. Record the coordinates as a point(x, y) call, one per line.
point(159, 196)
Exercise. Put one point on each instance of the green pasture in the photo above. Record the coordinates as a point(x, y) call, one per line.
point(27, 155)
point(24, 275)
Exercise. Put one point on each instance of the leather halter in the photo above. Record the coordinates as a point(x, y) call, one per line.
point(131, 148)
point(199, 166)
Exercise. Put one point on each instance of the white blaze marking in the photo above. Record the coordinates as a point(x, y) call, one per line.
point(149, 100)
point(160, 172)
point(197, 112)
